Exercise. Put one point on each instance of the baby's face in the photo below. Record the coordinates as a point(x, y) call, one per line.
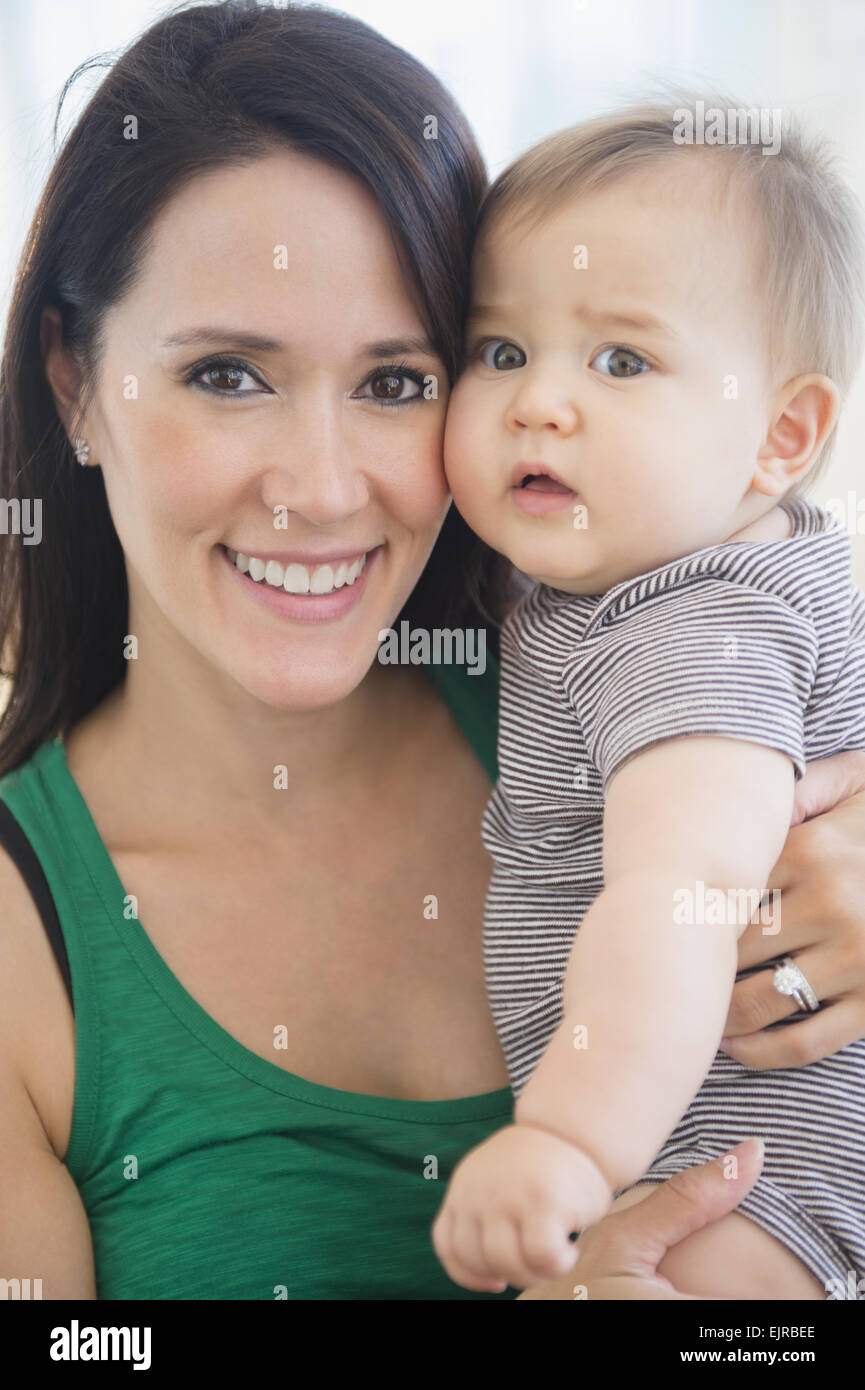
point(639, 381)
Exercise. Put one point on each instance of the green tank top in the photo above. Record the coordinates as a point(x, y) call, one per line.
point(206, 1171)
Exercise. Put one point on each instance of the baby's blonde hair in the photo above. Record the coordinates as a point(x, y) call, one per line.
point(811, 249)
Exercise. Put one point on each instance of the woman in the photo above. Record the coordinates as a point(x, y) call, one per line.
point(261, 844)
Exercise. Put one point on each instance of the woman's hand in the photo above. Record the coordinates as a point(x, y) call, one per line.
point(618, 1258)
point(821, 875)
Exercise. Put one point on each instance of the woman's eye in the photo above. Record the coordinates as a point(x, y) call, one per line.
point(394, 386)
point(621, 362)
point(502, 356)
point(224, 378)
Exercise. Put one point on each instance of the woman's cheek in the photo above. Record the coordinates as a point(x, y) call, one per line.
point(407, 477)
point(167, 470)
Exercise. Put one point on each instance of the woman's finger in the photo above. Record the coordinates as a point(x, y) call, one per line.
point(827, 782)
point(818, 1035)
point(755, 1002)
point(636, 1239)
point(760, 942)
point(811, 847)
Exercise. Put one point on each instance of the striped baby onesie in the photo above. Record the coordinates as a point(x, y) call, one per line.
point(755, 640)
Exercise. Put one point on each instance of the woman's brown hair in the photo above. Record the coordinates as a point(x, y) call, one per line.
point(208, 86)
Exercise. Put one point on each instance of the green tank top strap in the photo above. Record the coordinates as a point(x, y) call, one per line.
point(474, 703)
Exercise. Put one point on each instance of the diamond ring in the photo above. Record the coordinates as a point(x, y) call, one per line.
point(788, 979)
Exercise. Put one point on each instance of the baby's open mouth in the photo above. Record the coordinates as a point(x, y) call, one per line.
point(535, 475)
point(542, 482)
point(537, 491)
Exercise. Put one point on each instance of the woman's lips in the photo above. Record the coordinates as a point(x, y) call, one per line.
point(312, 608)
point(542, 494)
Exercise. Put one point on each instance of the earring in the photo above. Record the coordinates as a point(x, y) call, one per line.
point(82, 451)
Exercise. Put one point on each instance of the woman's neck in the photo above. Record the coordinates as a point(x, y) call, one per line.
point(206, 762)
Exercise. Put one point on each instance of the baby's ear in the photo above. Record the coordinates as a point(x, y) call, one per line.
point(803, 413)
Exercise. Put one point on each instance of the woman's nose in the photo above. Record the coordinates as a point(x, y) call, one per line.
point(544, 403)
point(317, 475)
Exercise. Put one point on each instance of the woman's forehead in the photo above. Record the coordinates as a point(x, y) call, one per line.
point(285, 246)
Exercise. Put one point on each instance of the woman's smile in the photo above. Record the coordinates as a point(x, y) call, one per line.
point(312, 593)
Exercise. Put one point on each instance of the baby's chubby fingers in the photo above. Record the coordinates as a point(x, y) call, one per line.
point(491, 1254)
point(503, 1252)
point(524, 1252)
point(548, 1248)
point(456, 1240)
point(511, 1205)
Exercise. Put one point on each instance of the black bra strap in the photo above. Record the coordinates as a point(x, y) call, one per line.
point(23, 855)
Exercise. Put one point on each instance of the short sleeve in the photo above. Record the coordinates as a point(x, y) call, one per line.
point(710, 657)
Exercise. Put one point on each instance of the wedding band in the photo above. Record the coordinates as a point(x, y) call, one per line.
point(788, 979)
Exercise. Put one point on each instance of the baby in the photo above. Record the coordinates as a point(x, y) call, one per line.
point(659, 340)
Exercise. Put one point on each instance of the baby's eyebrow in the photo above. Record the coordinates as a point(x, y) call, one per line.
point(479, 311)
point(642, 321)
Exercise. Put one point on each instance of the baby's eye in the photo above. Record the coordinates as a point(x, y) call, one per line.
point(502, 356)
point(622, 362)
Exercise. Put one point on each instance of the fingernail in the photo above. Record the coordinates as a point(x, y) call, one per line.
point(755, 1139)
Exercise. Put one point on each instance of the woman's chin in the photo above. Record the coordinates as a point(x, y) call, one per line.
point(307, 683)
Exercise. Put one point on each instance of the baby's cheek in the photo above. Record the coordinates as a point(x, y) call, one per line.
point(466, 443)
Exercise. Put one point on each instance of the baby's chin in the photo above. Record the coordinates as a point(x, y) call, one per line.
point(554, 563)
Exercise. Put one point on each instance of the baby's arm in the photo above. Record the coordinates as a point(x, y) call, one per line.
point(652, 994)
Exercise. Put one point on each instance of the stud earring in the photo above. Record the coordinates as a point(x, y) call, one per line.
point(82, 451)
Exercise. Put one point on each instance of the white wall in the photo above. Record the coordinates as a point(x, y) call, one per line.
point(520, 69)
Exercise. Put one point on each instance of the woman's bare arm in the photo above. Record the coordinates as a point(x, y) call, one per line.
point(44, 1233)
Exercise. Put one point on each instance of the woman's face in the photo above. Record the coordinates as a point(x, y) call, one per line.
point(310, 448)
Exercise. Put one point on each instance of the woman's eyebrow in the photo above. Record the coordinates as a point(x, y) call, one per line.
point(252, 342)
point(255, 342)
point(396, 347)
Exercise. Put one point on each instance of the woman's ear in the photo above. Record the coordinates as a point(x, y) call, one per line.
point(61, 369)
point(803, 413)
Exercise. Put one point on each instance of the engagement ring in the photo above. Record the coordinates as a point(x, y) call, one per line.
point(788, 979)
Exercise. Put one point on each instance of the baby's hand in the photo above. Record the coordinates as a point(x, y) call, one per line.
point(510, 1207)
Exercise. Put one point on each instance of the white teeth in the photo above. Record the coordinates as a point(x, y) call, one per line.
point(322, 580)
point(295, 578)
